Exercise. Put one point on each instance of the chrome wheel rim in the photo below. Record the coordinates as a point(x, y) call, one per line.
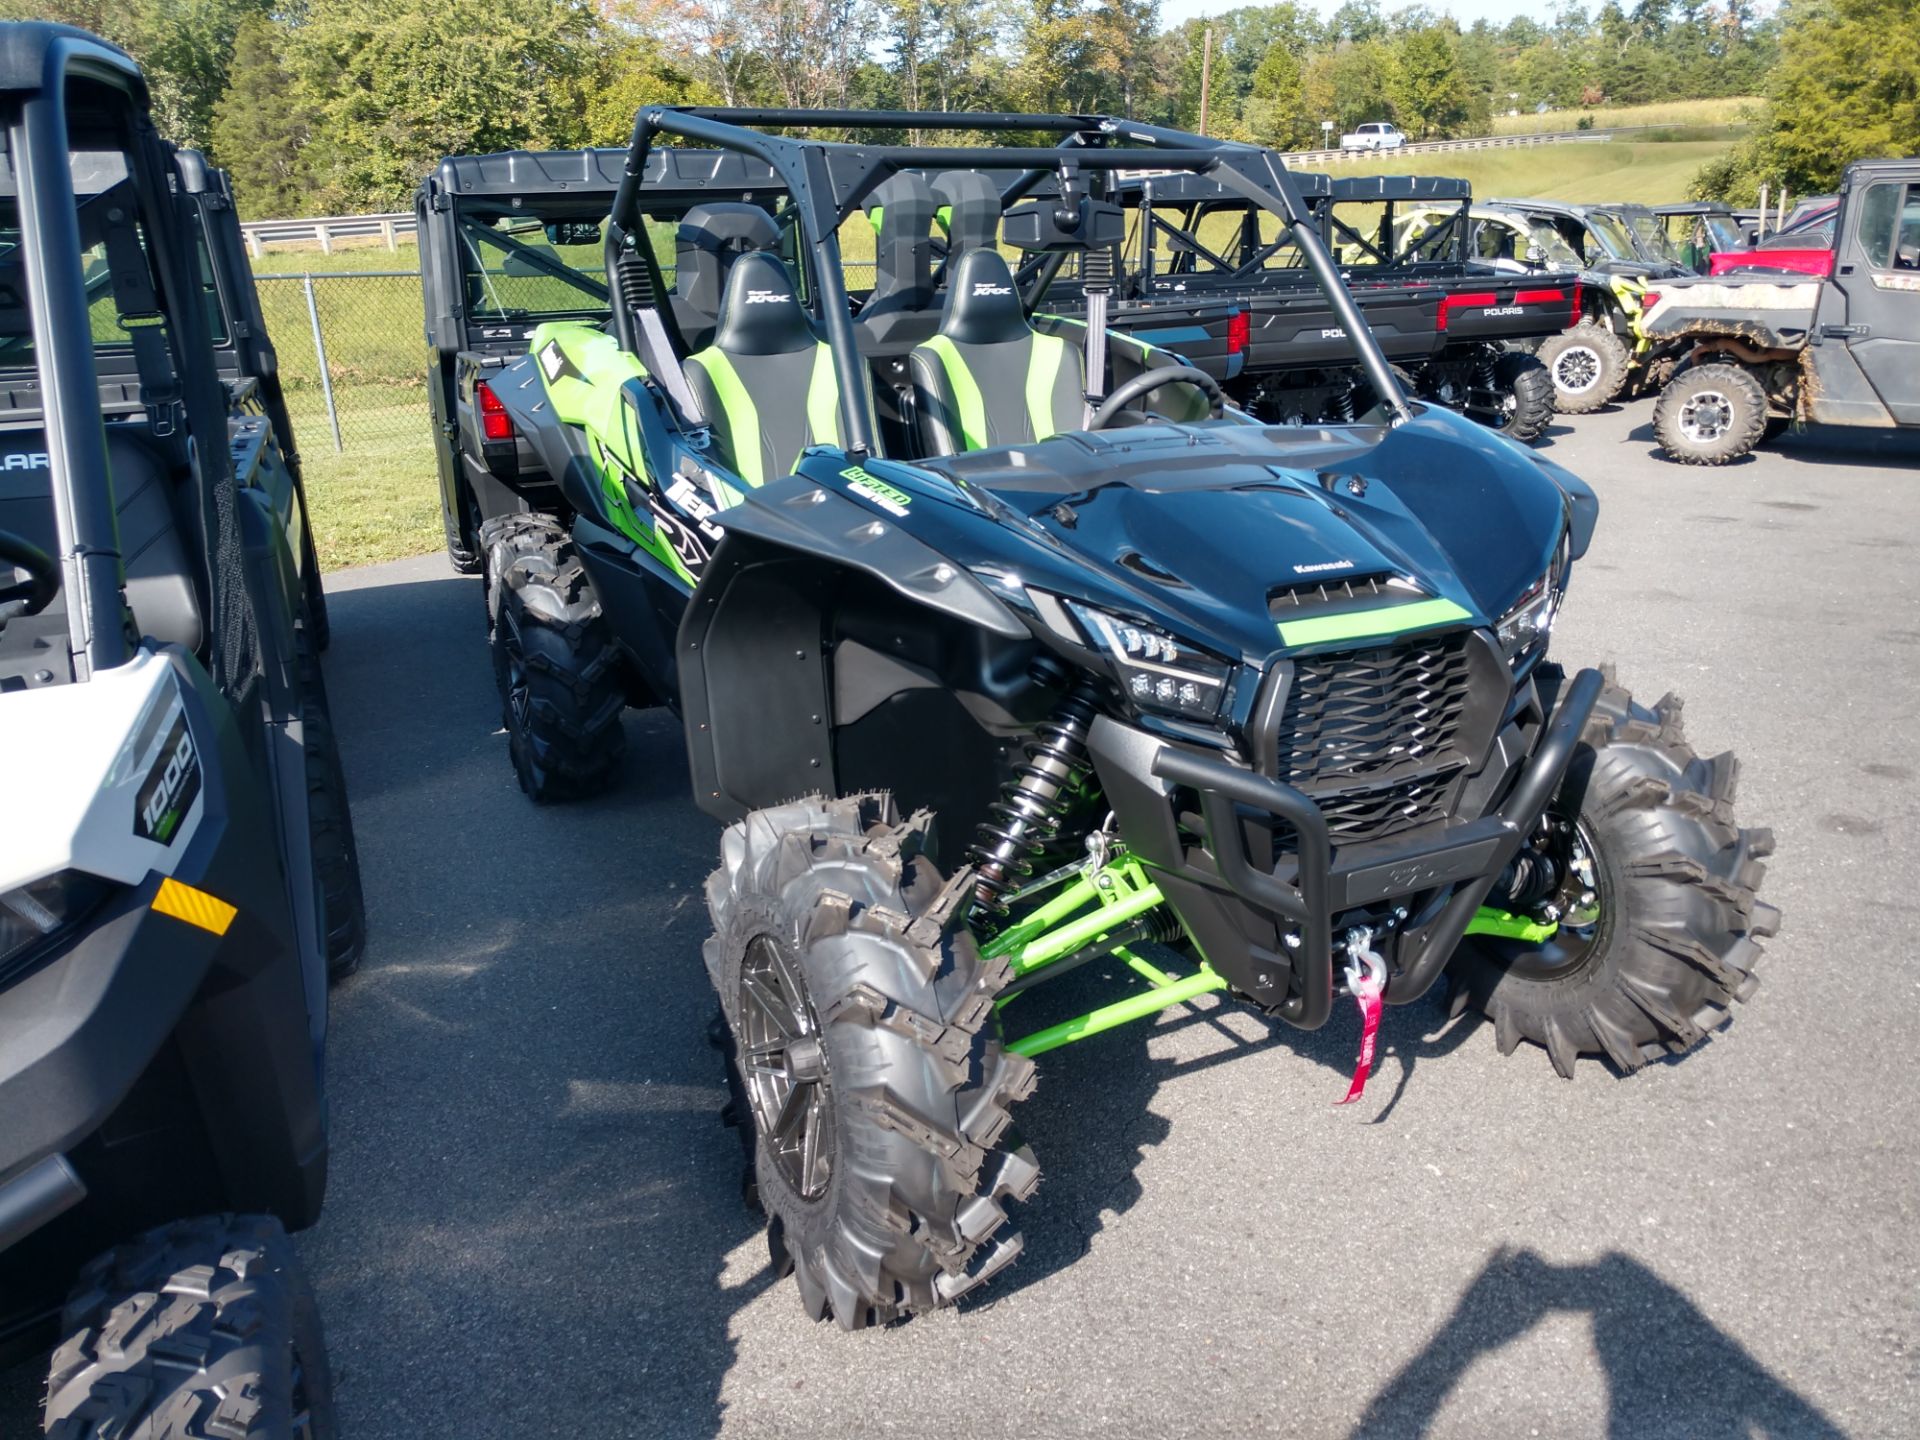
point(1576, 369)
point(1706, 416)
point(783, 1058)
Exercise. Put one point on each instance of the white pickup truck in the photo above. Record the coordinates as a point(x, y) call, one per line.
point(1374, 135)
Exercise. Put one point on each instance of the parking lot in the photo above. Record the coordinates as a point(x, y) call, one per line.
point(534, 1228)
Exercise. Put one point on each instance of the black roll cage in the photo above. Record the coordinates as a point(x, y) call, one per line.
point(38, 61)
point(827, 180)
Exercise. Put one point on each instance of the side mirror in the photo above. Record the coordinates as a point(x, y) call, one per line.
point(1535, 255)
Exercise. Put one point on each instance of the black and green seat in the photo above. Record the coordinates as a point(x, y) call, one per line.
point(987, 378)
point(767, 383)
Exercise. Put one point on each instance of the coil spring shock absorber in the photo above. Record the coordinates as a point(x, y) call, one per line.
point(1028, 814)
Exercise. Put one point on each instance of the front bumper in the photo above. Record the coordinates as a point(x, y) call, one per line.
point(1312, 887)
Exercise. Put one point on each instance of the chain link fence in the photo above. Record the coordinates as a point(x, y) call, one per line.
point(353, 365)
point(352, 359)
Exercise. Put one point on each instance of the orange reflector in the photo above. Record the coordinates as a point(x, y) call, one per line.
point(196, 907)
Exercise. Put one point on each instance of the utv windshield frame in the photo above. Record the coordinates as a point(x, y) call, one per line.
point(826, 181)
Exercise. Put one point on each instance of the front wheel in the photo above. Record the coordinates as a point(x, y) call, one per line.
point(1653, 890)
point(561, 677)
point(869, 1061)
point(1589, 367)
point(203, 1328)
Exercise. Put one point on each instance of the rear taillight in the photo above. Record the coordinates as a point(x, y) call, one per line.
point(1239, 332)
point(495, 423)
point(1648, 300)
point(1538, 297)
point(1463, 302)
point(1574, 319)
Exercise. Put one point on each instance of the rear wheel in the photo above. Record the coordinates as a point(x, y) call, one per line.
point(1588, 365)
point(1525, 392)
point(869, 1062)
point(561, 679)
point(205, 1328)
point(1710, 415)
point(1654, 891)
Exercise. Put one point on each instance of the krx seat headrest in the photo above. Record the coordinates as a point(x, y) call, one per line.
point(983, 304)
point(760, 315)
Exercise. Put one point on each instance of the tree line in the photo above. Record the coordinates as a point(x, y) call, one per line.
point(335, 106)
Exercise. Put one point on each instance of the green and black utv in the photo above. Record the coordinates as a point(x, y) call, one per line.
point(1002, 646)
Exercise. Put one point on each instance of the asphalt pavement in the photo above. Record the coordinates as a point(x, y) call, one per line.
point(534, 1228)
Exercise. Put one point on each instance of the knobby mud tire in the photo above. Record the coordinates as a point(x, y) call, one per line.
point(918, 1088)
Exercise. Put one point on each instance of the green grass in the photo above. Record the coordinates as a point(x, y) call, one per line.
point(373, 502)
point(1646, 171)
point(1734, 110)
point(310, 259)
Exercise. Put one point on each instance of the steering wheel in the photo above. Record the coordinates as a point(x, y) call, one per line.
point(1145, 384)
point(33, 594)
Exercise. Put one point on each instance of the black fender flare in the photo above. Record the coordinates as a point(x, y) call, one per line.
point(757, 708)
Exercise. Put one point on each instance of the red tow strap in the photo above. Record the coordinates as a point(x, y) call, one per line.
point(1368, 984)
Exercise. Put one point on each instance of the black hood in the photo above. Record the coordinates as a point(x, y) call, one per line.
point(1207, 529)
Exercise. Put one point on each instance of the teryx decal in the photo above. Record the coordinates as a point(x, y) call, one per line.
point(688, 546)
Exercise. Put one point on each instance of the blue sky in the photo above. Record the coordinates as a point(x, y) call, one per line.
point(1172, 12)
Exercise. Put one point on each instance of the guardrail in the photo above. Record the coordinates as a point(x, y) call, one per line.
point(1481, 142)
point(325, 231)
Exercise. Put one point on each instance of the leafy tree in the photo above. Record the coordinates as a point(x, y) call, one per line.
point(1276, 112)
point(1847, 87)
point(1352, 84)
point(184, 46)
point(261, 127)
point(1429, 92)
point(393, 91)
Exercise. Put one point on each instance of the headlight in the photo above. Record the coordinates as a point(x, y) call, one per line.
point(36, 912)
point(1157, 671)
point(1525, 626)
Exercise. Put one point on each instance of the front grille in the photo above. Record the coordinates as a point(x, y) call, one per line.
point(1382, 810)
point(1372, 735)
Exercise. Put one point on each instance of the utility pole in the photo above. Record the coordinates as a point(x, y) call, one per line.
point(1206, 77)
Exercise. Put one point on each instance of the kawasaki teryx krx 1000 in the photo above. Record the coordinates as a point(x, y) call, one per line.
point(1003, 645)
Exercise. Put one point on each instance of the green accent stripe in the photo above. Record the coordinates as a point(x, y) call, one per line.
point(1394, 620)
point(823, 399)
point(743, 417)
point(1043, 369)
point(966, 394)
point(1507, 926)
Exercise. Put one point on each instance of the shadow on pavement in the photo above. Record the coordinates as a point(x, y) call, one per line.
point(1090, 1119)
point(534, 1212)
point(1669, 1370)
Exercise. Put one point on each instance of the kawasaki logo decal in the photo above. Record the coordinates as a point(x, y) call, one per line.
point(171, 786)
point(894, 502)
